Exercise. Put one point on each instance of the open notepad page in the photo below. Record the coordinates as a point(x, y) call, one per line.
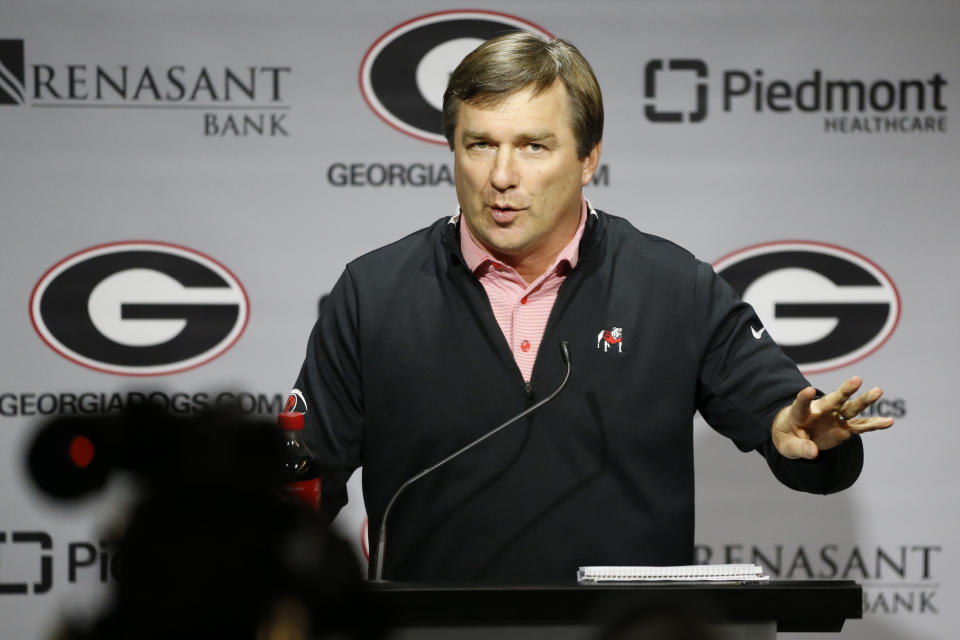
point(688, 573)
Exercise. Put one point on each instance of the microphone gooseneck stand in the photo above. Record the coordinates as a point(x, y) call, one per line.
point(382, 539)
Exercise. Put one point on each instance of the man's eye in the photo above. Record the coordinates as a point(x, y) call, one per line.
point(535, 147)
point(480, 145)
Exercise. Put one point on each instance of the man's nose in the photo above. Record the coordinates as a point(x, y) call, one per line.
point(503, 173)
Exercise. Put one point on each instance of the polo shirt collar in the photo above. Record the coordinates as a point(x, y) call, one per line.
point(476, 256)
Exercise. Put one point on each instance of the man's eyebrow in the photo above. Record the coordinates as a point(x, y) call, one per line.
point(471, 134)
point(536, 136)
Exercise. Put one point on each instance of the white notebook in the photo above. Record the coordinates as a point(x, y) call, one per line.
point(689, 573)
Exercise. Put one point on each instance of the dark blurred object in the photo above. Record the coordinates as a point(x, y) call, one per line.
point(214, 548)
point(72, 456)
point(666, 622)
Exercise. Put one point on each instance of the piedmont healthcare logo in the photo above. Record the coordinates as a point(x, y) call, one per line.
point(650, 74)
point(681, 90)
point(40, 545)
point(826, 306)
point(404, 73)
point(33, 563)
point(139, 308)
point(233, 101)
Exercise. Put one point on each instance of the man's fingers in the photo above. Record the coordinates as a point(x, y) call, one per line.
point(800, 409)
point(797, 447)
point(855, 407)
point(863, 425)
point(834, 401)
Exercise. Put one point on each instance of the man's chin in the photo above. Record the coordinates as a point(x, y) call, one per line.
point(506, 249)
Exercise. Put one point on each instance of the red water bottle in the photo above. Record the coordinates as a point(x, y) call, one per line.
point(300, 472)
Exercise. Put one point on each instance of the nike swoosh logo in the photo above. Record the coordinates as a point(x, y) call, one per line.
point(757, 334)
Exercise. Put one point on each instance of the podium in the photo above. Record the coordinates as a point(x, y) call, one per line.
point(744, 611)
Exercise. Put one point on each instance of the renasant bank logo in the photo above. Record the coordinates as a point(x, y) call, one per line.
point(233, 101)
point(678, 90)
point(12, 88)
point(897, 579)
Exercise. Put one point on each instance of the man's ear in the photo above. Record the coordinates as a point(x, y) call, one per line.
point(590, 164)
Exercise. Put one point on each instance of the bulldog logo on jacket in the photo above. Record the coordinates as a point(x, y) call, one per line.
point(609, 337)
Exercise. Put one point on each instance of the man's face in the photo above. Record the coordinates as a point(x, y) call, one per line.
point(518, 176)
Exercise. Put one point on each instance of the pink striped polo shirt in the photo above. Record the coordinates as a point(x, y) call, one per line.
point(522, 310)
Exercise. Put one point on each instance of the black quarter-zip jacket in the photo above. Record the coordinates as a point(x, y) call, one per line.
point(407, 363)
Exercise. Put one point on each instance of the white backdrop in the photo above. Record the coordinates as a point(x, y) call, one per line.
point(230, 129)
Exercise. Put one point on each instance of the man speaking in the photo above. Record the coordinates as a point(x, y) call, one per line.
point(428, 343)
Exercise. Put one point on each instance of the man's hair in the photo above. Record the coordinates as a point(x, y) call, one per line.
point(509, 63)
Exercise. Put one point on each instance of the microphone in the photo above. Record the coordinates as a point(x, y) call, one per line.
point(382, 539)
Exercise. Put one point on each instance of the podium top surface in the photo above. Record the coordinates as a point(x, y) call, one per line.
point(796, 606)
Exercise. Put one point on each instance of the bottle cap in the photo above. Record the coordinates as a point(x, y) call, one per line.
point(291, 420)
